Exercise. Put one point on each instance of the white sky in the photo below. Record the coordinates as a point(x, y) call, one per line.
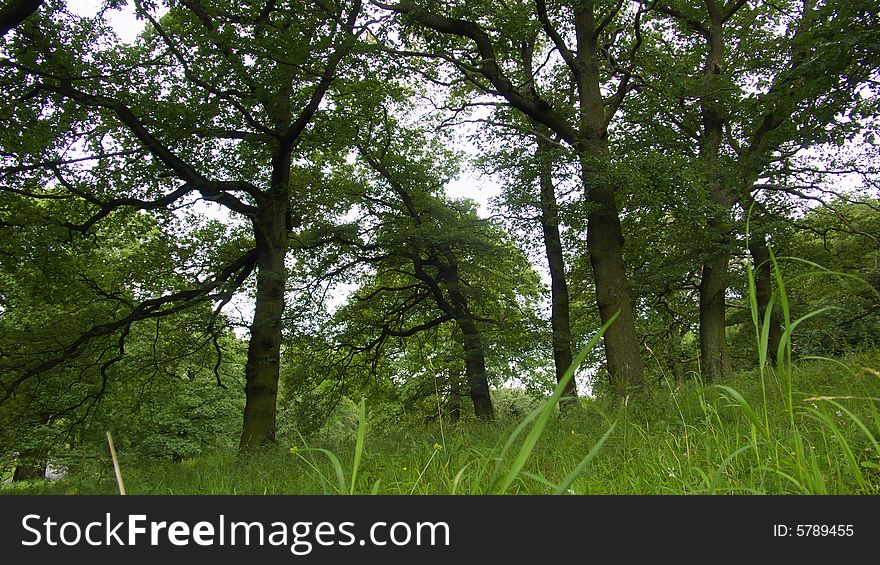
point(123, 21)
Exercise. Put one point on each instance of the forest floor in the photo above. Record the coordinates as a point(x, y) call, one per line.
point(812, 429)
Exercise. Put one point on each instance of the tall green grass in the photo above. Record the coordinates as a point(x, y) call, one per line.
point(794, 428)
point(686, 438)
point(496, 472)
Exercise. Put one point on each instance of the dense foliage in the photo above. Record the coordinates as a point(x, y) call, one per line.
point(232, 229)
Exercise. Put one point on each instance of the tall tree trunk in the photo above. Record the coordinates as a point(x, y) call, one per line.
point(456, 306)
point(605, 242)
point(604, 235)
point(474, 356)
point(264, 349)
point(764, 291)
point(559, 300)
point(475, 370)
point(714, 356)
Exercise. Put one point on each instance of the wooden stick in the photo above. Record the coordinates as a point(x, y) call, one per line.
point(115, 464)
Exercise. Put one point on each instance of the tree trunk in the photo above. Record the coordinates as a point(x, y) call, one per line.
point(604, 235)
point(713, 320)
point(474, 356)
point(456, 307)
point(714, 356)
point(764, 291)
point(605, 242)
point(559, 300)
point(475, 370)
point(264, 349)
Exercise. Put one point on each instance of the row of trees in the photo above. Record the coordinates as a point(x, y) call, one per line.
point(283, 149)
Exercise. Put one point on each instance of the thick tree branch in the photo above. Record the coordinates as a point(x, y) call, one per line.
point(210, 190)
point(166, 305)
point(106, 208)
point(693, 23)
point(557, 39)
point(527, 102)
point(305, 116)
point(15, 12)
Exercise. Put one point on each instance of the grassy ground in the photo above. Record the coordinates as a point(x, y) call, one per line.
point(814, 428)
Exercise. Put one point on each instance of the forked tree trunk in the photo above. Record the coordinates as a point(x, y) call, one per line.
point(455, 305)
point(264, 349)
point(559, 300)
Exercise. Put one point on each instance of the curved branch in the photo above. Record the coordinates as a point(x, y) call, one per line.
point(210, 190)
point(557, 39)
point(152, 308)
point(526, 102)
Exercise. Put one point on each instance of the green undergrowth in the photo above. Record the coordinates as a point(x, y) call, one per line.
point(811, 429)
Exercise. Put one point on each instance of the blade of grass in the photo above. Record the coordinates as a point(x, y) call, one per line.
point(727, 460)
point(116, 468)
point(841, 441)
point(858, 422)
point(745, 407)
point(359, 447)
point(566, 483)
point(538, 478)
point(544, 415)
point(337, 466)
point(513, 435)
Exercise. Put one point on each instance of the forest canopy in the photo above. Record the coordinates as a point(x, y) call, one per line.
point(215, 235)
